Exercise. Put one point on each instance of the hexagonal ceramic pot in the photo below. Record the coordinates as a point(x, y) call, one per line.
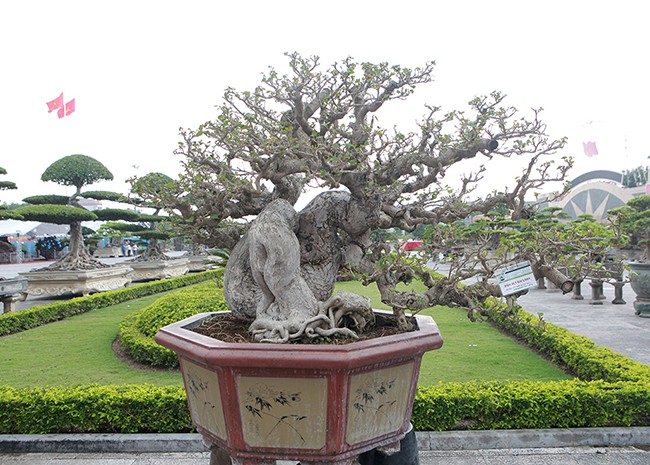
point(317, 403)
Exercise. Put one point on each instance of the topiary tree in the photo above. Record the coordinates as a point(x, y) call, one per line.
point(5, 185)
point(319, 127)
point(145, 227)
point(78, 171)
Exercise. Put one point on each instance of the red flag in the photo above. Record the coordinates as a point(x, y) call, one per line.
point(54, 104)
point(69, 107)
point(61, 112)
point(590, 148)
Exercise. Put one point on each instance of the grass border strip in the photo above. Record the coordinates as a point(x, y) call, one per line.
point(22, 320)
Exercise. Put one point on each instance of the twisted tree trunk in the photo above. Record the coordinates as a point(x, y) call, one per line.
point(77, 257)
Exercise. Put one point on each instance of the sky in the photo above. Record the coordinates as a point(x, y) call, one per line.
point(139, 70)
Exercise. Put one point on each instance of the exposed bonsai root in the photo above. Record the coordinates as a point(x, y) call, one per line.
point(150, 254)
point(342, 308)
point(74, 262)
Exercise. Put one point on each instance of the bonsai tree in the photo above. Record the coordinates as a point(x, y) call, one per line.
point(634, 219)
point(319, 128)
point(77, 171)
point(5, 185)
point(150, 191)
point(146, 226)
point(565, 252)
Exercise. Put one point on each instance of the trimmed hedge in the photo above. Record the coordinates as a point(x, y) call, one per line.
point(614, 391)
point(137, 331)
point(36, 316)
point(525, 405)
point(94, 409)
point(579, 354)
point(611, 389)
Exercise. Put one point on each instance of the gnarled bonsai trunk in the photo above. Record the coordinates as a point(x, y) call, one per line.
point(268, 279)
point(77, 257)
point(553, 275)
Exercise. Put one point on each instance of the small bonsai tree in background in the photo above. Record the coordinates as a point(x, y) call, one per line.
point(147, 226)
point(77, 171)
point(151, 191)
point(144, 227)
point(5, 246)
point(565, 252)
point(633, 219)
point(6, 185)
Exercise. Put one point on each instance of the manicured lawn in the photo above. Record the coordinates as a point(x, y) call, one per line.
point(471, 350)
point(78, 350)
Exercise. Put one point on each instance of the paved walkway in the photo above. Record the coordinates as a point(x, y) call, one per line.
point(555, 456)
point(611, 325)
point(521, 447)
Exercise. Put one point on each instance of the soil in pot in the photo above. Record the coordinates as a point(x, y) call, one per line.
point(229, 328)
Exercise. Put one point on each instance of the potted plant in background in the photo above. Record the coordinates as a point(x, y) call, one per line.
point(633, 219)
point(318, 128)
point(77, 272)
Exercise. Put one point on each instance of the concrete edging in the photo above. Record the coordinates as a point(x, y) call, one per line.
point(534, 438)
point(427, 440)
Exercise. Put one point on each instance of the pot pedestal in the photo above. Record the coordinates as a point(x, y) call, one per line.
point(316, 403)
point(82, 282)
point(158, 269)
point(12, 290)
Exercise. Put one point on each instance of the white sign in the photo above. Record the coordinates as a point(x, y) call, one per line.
point(517, 278)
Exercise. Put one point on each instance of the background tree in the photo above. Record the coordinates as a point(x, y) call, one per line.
point(320, 127)
point(6, 214)
point(635, 177)
point(78, 171)
point(633, 219)
point(145, 192)
point(563, 251)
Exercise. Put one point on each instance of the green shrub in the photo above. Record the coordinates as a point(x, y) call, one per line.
point(57, 214)
point(524, 405)
point(613, 390)
point(576, 354)
point(137, 331)
point(36, 316)
point(51, 199)
point(94, 409)
point(205, 297)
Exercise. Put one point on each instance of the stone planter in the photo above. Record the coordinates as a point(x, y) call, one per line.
point(11, 290)
point(316, 403)
point(82, 282)
point(203, 262)
point(107, 252)
point(148, 270)
point(640, 283)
